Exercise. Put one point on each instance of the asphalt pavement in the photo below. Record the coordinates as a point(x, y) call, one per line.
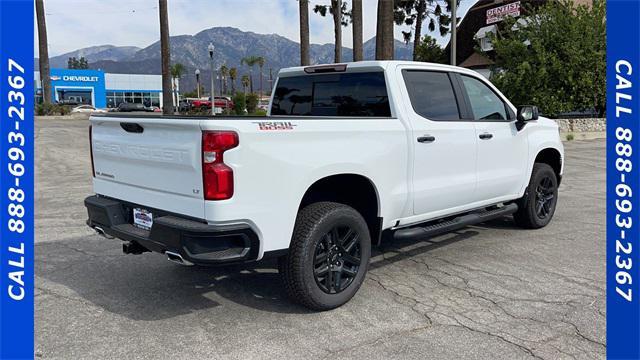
point(492, 291)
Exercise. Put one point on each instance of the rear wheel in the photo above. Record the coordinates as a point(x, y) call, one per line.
point(328, 257)
point(537, 206)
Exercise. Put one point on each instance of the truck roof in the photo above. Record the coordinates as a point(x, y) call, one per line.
point(372, 65)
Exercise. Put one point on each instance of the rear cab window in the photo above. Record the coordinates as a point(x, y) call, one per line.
point(358, 94)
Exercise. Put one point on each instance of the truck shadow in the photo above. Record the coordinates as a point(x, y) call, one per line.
point(148, 287)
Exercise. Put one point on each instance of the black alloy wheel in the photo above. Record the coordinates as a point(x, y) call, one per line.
point(328, 256)
point(545, 197)
point(537, 206)
point(337, 259)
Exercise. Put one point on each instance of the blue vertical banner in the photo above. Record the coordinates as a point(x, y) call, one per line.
point(623, 179)
point(16, 179)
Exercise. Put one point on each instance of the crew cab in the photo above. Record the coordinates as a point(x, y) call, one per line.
point(348, 155)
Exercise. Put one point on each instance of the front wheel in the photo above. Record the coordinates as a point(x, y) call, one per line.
point(328, 257)
point(537, 206)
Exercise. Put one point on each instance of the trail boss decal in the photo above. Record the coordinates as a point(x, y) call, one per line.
point(275, 125)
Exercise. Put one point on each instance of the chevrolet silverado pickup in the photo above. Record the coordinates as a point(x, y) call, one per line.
point(348, 155)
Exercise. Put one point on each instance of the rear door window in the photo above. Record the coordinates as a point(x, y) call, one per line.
point(346, 94)
point(431, 94)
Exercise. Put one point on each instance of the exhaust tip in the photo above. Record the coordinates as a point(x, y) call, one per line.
point(177, 258)
point(102, 233)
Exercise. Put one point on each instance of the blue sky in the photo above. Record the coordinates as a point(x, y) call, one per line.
point(74, 24)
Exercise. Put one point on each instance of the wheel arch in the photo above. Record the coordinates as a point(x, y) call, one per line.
point(552, 157)
point(354, 190)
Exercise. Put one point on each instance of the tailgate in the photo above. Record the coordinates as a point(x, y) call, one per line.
point(154, 162)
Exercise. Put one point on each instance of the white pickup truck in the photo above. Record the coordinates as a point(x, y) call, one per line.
point(348, 155)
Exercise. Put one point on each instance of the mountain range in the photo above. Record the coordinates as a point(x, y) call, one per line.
point(231, 45)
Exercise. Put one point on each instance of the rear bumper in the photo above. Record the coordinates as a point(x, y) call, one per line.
point(196, 241)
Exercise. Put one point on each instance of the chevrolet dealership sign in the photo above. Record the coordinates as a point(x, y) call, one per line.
point(75, 78)
point(80, 78)
point(498, 14)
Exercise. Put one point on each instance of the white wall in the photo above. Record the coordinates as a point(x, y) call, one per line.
point(133, 82)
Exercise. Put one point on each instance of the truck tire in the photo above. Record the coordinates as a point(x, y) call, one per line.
point(537, 206)
point(328, 257)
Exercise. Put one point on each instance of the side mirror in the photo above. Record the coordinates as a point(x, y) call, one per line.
point(527, 113)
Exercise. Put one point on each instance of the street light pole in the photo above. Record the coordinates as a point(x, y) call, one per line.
point(213, 93)
point(198, 82)
point(454, 31)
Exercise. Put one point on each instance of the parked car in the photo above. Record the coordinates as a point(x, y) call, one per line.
point(152, 109)
point(129, 107)
point(87, 109)
point(347, 156)
point(222, 102)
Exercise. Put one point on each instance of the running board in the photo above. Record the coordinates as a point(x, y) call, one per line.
point(454, 224)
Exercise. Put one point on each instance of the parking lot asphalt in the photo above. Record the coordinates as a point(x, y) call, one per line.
point(485, 292)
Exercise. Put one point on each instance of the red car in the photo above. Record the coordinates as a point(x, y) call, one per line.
point(222, 102)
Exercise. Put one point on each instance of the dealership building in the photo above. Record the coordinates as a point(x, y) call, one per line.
point(100, 89)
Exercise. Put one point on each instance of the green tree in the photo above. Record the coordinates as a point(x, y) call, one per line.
point(78, 64)
point(233, 75)
point(430, 51)
point(83, 63)
point(239, 103)
point(252, 103)
point(415, 12)
point(555, 58)
point(246, 82)
point(340, 19)
point(224, 73)
point(251, 61)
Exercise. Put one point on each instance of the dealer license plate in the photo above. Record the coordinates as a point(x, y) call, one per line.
point(142, 218)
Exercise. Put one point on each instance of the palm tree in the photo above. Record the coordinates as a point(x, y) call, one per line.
point(177, 70)
point(260, 60)
point(43, 53)
point(415, 12)
point(224, 72)
point(384, 30)
point(246, 82)
point(356, 18)
point(233, 75)
point(338, 10)
point(251, 61)
point(304, 32)
point(165, 54)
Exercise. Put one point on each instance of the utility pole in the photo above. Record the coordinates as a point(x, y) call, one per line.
point(454, 30)
point(211, 48)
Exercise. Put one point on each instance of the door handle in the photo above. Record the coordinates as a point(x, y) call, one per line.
point(426, 139)
point(486, 136)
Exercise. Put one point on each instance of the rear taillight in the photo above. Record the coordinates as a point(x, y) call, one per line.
point(217, 177)
point(93, 170)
